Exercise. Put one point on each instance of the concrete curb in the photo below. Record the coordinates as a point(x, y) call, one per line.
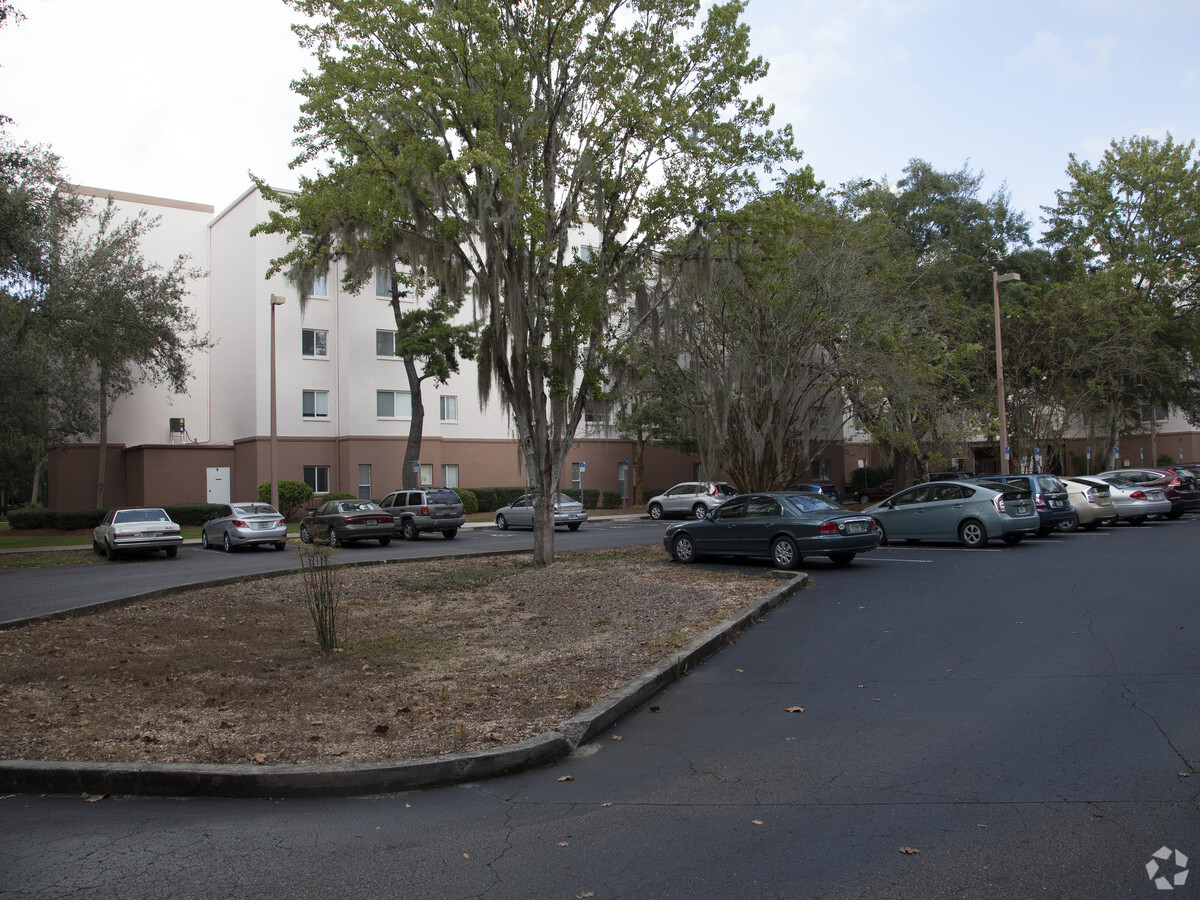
point(251, 781)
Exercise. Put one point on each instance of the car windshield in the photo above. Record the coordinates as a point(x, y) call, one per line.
point(809, 503)
point(1121, 483)
point(255, 509)
point(441, 496)
point(356, 506)
point(563, 498)
point(140, 515)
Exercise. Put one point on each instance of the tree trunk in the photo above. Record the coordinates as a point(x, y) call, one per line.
point(410, 477)
point(103, 466)
point(35, 488)
point(639, 469)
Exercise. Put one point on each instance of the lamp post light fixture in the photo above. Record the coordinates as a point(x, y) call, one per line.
point(998, 280)
point(276, 300)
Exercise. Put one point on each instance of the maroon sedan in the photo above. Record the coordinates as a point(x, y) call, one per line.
point(1178, 484)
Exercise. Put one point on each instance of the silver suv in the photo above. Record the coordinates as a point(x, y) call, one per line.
point(433, 509)
point(691, 498)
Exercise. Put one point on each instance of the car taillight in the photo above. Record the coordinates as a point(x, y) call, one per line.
point(827, 528)
point(1138, 495)
point(712, 490)
point(998, 502)
point(282, 523)
point(238, 523)
point(1040, 502)
point(424, 510)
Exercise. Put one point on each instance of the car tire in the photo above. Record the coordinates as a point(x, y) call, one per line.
point(110, 552)
point(655, 510)
point(1174, 514)
point(305, 537)
point(863, 499)
point(1013, 539)
point(96, 548)
point(384, 541)
point(449, 533)
point(785, 554)
point(683, 549)
point(409, 530)
point(226, 543)
point(573, 526)
point(699, 511)
point(883, 538)
point(172, 552)
point(334, 539)
point(1068, 526)
point(204, 544)
point(282, 545)
point(842, 558)
point(501, 522)
point(1136, 520)
point(972, 534)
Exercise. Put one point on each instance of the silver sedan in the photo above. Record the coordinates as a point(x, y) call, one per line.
point(244, 525)
point(519, 513)
point(1135, 502)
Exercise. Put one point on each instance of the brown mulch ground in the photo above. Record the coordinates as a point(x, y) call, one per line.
point(444, 656)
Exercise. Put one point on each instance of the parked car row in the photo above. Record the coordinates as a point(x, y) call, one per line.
point(785, 526)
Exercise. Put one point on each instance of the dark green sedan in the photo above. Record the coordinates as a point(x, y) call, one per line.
point(783, 527)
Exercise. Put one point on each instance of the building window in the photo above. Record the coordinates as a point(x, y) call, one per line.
point(393, 404)
point(426, 474)
point(314, 343)
point(364, 481)
point(385, 343)
point(576, 476)
point(449, 408)
point(383, 282)
point(317, 478)
point(820, 470)
point(320, 285)
point(316, 404)
point(449, 476)
point(597, 412)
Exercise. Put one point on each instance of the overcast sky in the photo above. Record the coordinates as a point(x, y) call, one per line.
point(180, 100)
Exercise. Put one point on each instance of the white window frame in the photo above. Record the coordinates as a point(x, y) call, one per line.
point(324, 354)
point(394, 335)
point(317, 478)
point(397, 407)
point(426, 475)
point(364, 481)
point(320, 405)
point(383, 283)
point(448, 407)
point(320, 286)
point(450, 475)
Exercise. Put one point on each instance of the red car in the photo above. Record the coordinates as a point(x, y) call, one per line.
point(1178, 484)
point(875, 494)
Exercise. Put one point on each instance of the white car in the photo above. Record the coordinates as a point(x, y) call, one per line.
point(1092, 500)
point(142, 528)
point(1136, 502)
point(249, 524)
point(690, 498)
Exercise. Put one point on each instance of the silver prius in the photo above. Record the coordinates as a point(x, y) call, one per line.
point(970, 513)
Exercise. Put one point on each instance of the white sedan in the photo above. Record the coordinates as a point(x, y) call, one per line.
point(136, 529)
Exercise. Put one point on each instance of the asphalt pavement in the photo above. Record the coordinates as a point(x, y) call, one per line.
point(927, 722)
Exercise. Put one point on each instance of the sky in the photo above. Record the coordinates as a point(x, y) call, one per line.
point(182, 99)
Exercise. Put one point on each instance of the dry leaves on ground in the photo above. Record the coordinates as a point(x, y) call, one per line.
point(439, 656)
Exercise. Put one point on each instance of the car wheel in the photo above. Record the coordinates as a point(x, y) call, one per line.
point(863, 499)
point(282, 545)
point(1013, 539)
point(1174, 514)
point(785, 554)
point(972, 533)
point(334, 539)
point(384, 541)
point(226, 543)
point(304, 535)
point(699, 511)
point(683, 549)
point(843, 558)
point(501, 522)
point(204, 544)
point(655, 510)
point(110, 551)
point(96, 548)
point(409, 530)
point(1069, 525)
point(172, 552)
point(573, 526)
point(1136, 520)
point(448, 533)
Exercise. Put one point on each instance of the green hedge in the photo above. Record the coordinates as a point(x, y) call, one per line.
point(492, 498)
point(186, 514)
point(470, 501)
point(612, 500)
point(591, 496)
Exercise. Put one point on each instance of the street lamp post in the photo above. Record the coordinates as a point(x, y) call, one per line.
point(276, 300)
point(998, 280)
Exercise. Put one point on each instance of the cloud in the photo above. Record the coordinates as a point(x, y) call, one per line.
point(1075, 60)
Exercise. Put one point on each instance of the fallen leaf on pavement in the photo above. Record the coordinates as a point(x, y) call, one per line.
point(567, 778)
point(794, 708)
point(909, 850)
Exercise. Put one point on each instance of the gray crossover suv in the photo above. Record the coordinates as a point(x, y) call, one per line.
point(432, 509)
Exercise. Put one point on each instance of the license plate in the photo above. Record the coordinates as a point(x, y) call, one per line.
point(371, 522)
point(856, 527)
point(1057, 504)
point(261, 525)
point(1022, 509)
